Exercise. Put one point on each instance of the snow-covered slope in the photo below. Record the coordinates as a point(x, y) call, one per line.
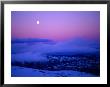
point(29, 72)
point(66, 56)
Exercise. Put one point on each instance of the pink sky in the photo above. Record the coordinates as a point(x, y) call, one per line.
point(56, 25)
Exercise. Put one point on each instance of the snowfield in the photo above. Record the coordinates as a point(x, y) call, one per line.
point(30, 56)
point(29, 72)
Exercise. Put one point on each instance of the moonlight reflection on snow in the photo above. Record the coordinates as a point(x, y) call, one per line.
point(49, 57)
point(55, 43)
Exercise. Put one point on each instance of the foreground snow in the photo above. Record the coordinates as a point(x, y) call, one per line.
point(81, 55)
point(29, 72)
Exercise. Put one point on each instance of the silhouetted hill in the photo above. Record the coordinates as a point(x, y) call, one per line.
point(30, 40)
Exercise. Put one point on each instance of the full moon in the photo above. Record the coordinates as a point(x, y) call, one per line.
point(37, 21)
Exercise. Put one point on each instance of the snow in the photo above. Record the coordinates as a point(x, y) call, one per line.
point(33, 51)
point(29, 72)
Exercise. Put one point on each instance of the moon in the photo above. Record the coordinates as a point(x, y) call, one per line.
point(37, 21)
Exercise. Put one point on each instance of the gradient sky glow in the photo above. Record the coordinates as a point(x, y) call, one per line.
point(56, 25)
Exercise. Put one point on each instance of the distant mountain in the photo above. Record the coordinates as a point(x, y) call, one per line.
point(30, 40)
point(82, 42)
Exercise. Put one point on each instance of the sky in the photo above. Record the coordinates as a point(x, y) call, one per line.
point(55, 25)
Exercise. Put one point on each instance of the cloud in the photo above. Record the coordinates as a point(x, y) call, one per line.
point(37, 51)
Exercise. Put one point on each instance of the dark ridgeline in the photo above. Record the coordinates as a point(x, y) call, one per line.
point(30, 40)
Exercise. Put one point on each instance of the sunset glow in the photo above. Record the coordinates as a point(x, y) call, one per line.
point(56, 25)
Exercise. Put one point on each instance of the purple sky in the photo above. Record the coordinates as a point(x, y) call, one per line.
point(56, 25)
